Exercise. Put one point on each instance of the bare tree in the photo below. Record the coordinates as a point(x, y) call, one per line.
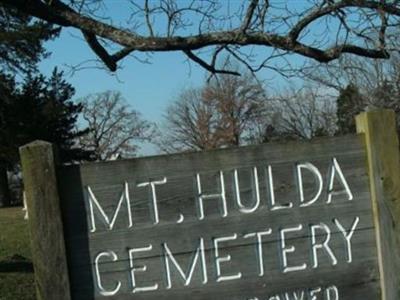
point(219, 114)
point(377, 82)
point(318, 29)
point(238, 102)
point(368, 75)
point(114, 128)
point(303, 114)
point(190, 124)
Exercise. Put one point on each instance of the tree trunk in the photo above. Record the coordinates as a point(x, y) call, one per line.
point(4, 189)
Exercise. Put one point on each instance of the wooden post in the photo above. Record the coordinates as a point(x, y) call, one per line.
point(382, 147)
point(45, 224)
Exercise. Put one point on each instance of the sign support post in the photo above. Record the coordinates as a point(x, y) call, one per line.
point(45, 224)
point(382, 145)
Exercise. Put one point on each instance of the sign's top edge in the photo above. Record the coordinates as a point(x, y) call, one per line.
point(180, 155)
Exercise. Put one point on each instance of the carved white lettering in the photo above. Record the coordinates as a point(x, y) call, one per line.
point(202, 197)
point(102, 290)
point(271, 191)
point(139, 269)
point(313, 293)
point(335, 168)
point(221, 259)
point(347, 236)
point(93, 200)
point(286, 250)
point(332, 293)
point(153, 193)
point(298, 295)
point(200, 254)
point(259, 246)
point(256, 192)
point(324, 245)
point(314, 170)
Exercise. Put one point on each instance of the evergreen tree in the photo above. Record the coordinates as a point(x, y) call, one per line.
point(21, 40)
point(21, 48)
point(349, 103)
point(43, 109)
point(40, 109)
point(7, 88)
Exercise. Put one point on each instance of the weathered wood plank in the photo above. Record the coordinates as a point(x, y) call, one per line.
point(180, 226)
point(382, 145)
point(45, 223)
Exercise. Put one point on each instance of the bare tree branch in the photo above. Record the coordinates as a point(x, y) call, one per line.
point(218, 35)
point(382, 30)
point(331, 7)
point(102, 53)
point(147, 14)
point(206, 66)
point(249, 15)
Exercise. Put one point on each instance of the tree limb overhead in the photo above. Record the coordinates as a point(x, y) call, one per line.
point(192, 26)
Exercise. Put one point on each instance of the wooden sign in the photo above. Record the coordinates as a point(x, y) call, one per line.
point(269, 222)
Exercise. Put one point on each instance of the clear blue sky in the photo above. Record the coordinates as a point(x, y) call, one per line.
point(147, 87)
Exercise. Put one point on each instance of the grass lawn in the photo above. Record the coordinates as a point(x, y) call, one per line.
point(16, 274)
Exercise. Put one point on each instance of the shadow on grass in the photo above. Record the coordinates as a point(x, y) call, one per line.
point(16, 264)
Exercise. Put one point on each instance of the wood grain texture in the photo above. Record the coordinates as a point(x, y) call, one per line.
point(382, 145)
point(357, 280)
point(45, 223)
